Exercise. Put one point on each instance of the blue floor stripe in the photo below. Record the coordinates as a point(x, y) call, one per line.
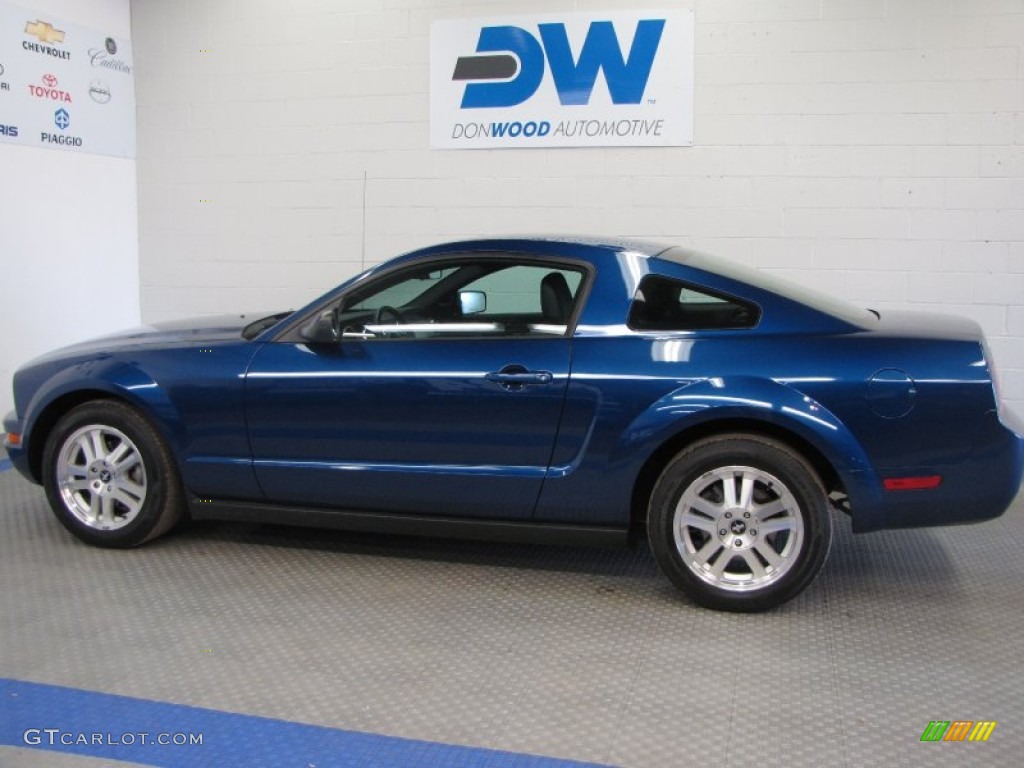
point(5, 464)
point(69, 720)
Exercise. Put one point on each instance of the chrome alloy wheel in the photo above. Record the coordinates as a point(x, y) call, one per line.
point(101, 477)
point(738, 528)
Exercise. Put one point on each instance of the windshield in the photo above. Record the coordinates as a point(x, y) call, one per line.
point(787, 289)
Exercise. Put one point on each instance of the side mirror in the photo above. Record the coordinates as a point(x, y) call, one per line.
point(322, 329)
point(472, 302)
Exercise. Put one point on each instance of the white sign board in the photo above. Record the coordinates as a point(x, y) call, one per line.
point(621, 79)
point(64, 86)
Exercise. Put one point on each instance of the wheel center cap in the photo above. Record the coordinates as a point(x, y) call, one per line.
point(105, 476)
point(738, 527)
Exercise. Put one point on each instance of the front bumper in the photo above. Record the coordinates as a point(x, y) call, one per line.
point(14, 444)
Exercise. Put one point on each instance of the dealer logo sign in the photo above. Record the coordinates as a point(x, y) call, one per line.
point(578, 79)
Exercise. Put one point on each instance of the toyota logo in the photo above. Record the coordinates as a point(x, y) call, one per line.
point(50, 81)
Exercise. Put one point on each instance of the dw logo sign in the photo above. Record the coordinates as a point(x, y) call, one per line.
point(618, 79)
point(574, 78)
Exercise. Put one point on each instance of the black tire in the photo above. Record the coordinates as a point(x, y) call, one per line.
point(109, 476)
point(748, 499)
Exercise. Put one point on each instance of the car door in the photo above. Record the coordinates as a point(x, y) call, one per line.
point(440, 393)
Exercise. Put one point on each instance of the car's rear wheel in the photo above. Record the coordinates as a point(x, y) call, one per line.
point(739, 523)
point(109, 476)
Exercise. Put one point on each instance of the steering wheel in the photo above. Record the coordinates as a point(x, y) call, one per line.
point(386, 311)
point(391, 316)
point(388, 314)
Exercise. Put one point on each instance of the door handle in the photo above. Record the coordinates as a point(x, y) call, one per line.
point(516, 377)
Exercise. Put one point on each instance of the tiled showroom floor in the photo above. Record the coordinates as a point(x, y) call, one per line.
point(566, 654)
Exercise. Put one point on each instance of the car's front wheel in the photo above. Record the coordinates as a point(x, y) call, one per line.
point(739, 523)
point(109, 476)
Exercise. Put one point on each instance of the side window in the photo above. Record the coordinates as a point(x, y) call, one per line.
point(402, 292)
point(519, 291)
point(664, 304)
point(463, 298)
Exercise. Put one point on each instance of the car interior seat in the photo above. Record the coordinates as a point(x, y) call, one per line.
point(555, 298)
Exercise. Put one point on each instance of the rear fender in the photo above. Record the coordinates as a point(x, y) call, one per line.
point(751, 399)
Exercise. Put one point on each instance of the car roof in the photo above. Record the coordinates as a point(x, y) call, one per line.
point(514, 242)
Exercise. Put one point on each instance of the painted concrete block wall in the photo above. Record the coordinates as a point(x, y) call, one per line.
point(872, 148)
point(68, 230)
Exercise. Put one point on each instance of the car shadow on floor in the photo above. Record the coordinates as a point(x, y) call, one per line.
point(635, 560)
point(886, 565)
point(895, 567)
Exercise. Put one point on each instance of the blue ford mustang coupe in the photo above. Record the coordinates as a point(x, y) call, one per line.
point(551, 388)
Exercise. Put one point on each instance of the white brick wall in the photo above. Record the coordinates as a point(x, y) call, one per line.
point(874, 148)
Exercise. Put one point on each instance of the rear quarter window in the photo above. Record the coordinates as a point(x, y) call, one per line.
point(664, 304)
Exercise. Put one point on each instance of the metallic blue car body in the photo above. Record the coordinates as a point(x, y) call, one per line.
point(269, 429)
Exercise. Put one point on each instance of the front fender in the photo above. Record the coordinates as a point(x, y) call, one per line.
point(752, 399)
point(106, 377)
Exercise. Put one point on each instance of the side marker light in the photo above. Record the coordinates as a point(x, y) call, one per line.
point(912, 483)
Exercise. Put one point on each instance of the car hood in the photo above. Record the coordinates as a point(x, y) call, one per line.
point(201, 330)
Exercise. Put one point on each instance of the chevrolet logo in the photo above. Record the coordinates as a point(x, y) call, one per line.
point(44, 31)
